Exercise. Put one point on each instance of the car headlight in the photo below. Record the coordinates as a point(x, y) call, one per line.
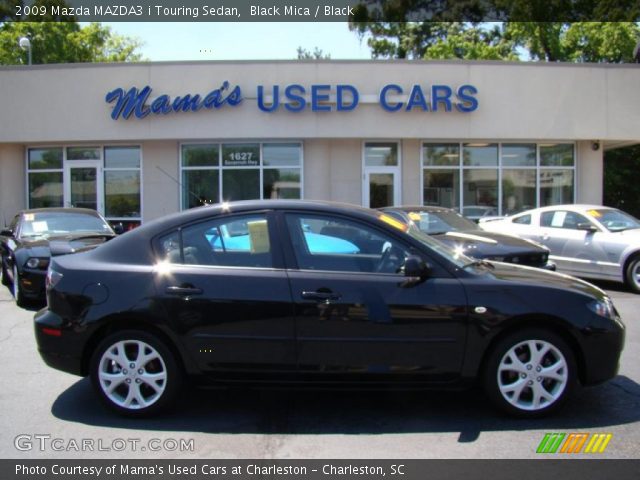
point(603, 308)
point(52, 279)
point(39, 263)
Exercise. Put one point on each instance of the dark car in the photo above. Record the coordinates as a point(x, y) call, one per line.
point(250, 293)
point(465, 236)
point(36, 235)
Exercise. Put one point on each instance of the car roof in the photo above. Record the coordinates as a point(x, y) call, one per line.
point(137, 238)
point(419, 208)
point(572, 207)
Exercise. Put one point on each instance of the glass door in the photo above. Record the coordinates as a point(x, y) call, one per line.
point(381, 189)
point(381, 177)
point(83, 184)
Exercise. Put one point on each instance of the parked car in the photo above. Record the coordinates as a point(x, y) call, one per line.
point(163, 302)
point(588, 241)
point(476, 212)
point(36, 235)
point(464, 236)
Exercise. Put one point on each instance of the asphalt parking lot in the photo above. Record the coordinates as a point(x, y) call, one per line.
point(50, 414)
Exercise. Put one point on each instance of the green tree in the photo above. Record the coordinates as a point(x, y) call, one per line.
point(65, 42)
point(317, 54)
point(610, 42)
point(621, 166)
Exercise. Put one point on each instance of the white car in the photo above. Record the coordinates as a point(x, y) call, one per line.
point(589, 241)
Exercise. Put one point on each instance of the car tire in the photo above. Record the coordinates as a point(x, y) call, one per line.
point(146, 374)
point(17, 291)
point(530, 373)
point(632, 274)
point(3, 273)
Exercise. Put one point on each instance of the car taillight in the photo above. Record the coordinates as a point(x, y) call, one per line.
point(52, 279)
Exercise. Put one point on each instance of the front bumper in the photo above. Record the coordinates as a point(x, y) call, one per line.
point(602, 347)
point(32, 284)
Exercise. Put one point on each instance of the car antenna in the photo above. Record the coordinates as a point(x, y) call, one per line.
point(179, 184)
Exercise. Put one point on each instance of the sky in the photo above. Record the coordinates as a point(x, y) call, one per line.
point(243, 40)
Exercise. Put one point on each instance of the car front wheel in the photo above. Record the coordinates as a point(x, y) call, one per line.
point(135, 374)
point(632, 275)
point(3, 273)
point(530, 373)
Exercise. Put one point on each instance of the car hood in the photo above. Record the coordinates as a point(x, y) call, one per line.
point(542, 278)
point(64, 244)
point(481, 243)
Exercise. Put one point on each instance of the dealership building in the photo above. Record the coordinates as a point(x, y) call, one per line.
point(138, 141)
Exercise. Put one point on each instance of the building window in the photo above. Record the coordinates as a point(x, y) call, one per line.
point(556, 184)
point(497, 178)
point(122, 182)
point(45, 174)
point(107, 179)
point(213, 173)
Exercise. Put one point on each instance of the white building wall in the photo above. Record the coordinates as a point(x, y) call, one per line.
point(589, 174)
point(12, 181)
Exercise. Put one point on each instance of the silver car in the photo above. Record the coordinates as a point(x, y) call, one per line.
point(589, 241)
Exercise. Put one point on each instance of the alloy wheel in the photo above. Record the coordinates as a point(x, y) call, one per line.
point(532, 375)
point(132, 374)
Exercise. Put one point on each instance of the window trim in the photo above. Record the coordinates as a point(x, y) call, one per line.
point(101, 147)
point(538, 168)
point(220, 168)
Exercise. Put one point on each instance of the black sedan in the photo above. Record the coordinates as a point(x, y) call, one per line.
point(467, 237)
point(317, 293)
point(38, 234)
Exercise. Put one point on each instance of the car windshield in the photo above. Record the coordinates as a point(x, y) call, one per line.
point(454, 255)
point(615, 220)
point(52, 223)
point(434, 223)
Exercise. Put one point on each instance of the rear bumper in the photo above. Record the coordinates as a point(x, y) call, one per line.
point(59, 347)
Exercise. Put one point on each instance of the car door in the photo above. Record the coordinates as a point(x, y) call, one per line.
point(574, 248)
point(226, 292)
point(356, 312)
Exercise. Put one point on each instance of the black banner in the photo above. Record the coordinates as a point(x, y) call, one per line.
point(357, 11)
point(543, 469)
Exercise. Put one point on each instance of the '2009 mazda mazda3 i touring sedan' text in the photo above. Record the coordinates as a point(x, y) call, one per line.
point(317, 293)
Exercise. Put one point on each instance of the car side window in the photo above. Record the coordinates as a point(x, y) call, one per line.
point(335, 244)
point(562, 219)
point(522, 220)
point(239, 241)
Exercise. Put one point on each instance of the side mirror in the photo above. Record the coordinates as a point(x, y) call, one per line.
point(587, 227)
point(414, 266)
point(118, 228)
point(6, 232)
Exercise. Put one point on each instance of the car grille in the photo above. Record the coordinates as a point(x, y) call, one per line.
point(528, 259)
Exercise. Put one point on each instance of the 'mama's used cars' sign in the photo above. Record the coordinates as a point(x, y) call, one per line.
point(294, 98)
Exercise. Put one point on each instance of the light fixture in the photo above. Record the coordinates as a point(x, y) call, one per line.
point(25, 44)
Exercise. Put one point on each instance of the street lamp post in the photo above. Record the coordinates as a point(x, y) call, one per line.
point(25, 44)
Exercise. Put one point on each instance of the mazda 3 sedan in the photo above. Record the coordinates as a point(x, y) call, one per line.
point(588, 241)
point(317, 293)
point(467, 237)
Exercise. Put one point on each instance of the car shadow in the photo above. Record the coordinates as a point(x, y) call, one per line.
point(293, 412)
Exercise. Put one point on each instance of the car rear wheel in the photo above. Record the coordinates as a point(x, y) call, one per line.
point(530, 373)
point(17, 291)
point(135, 374)
point(632, 275)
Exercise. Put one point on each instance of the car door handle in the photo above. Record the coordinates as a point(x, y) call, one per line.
point(321, 296)
point(183, 290)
